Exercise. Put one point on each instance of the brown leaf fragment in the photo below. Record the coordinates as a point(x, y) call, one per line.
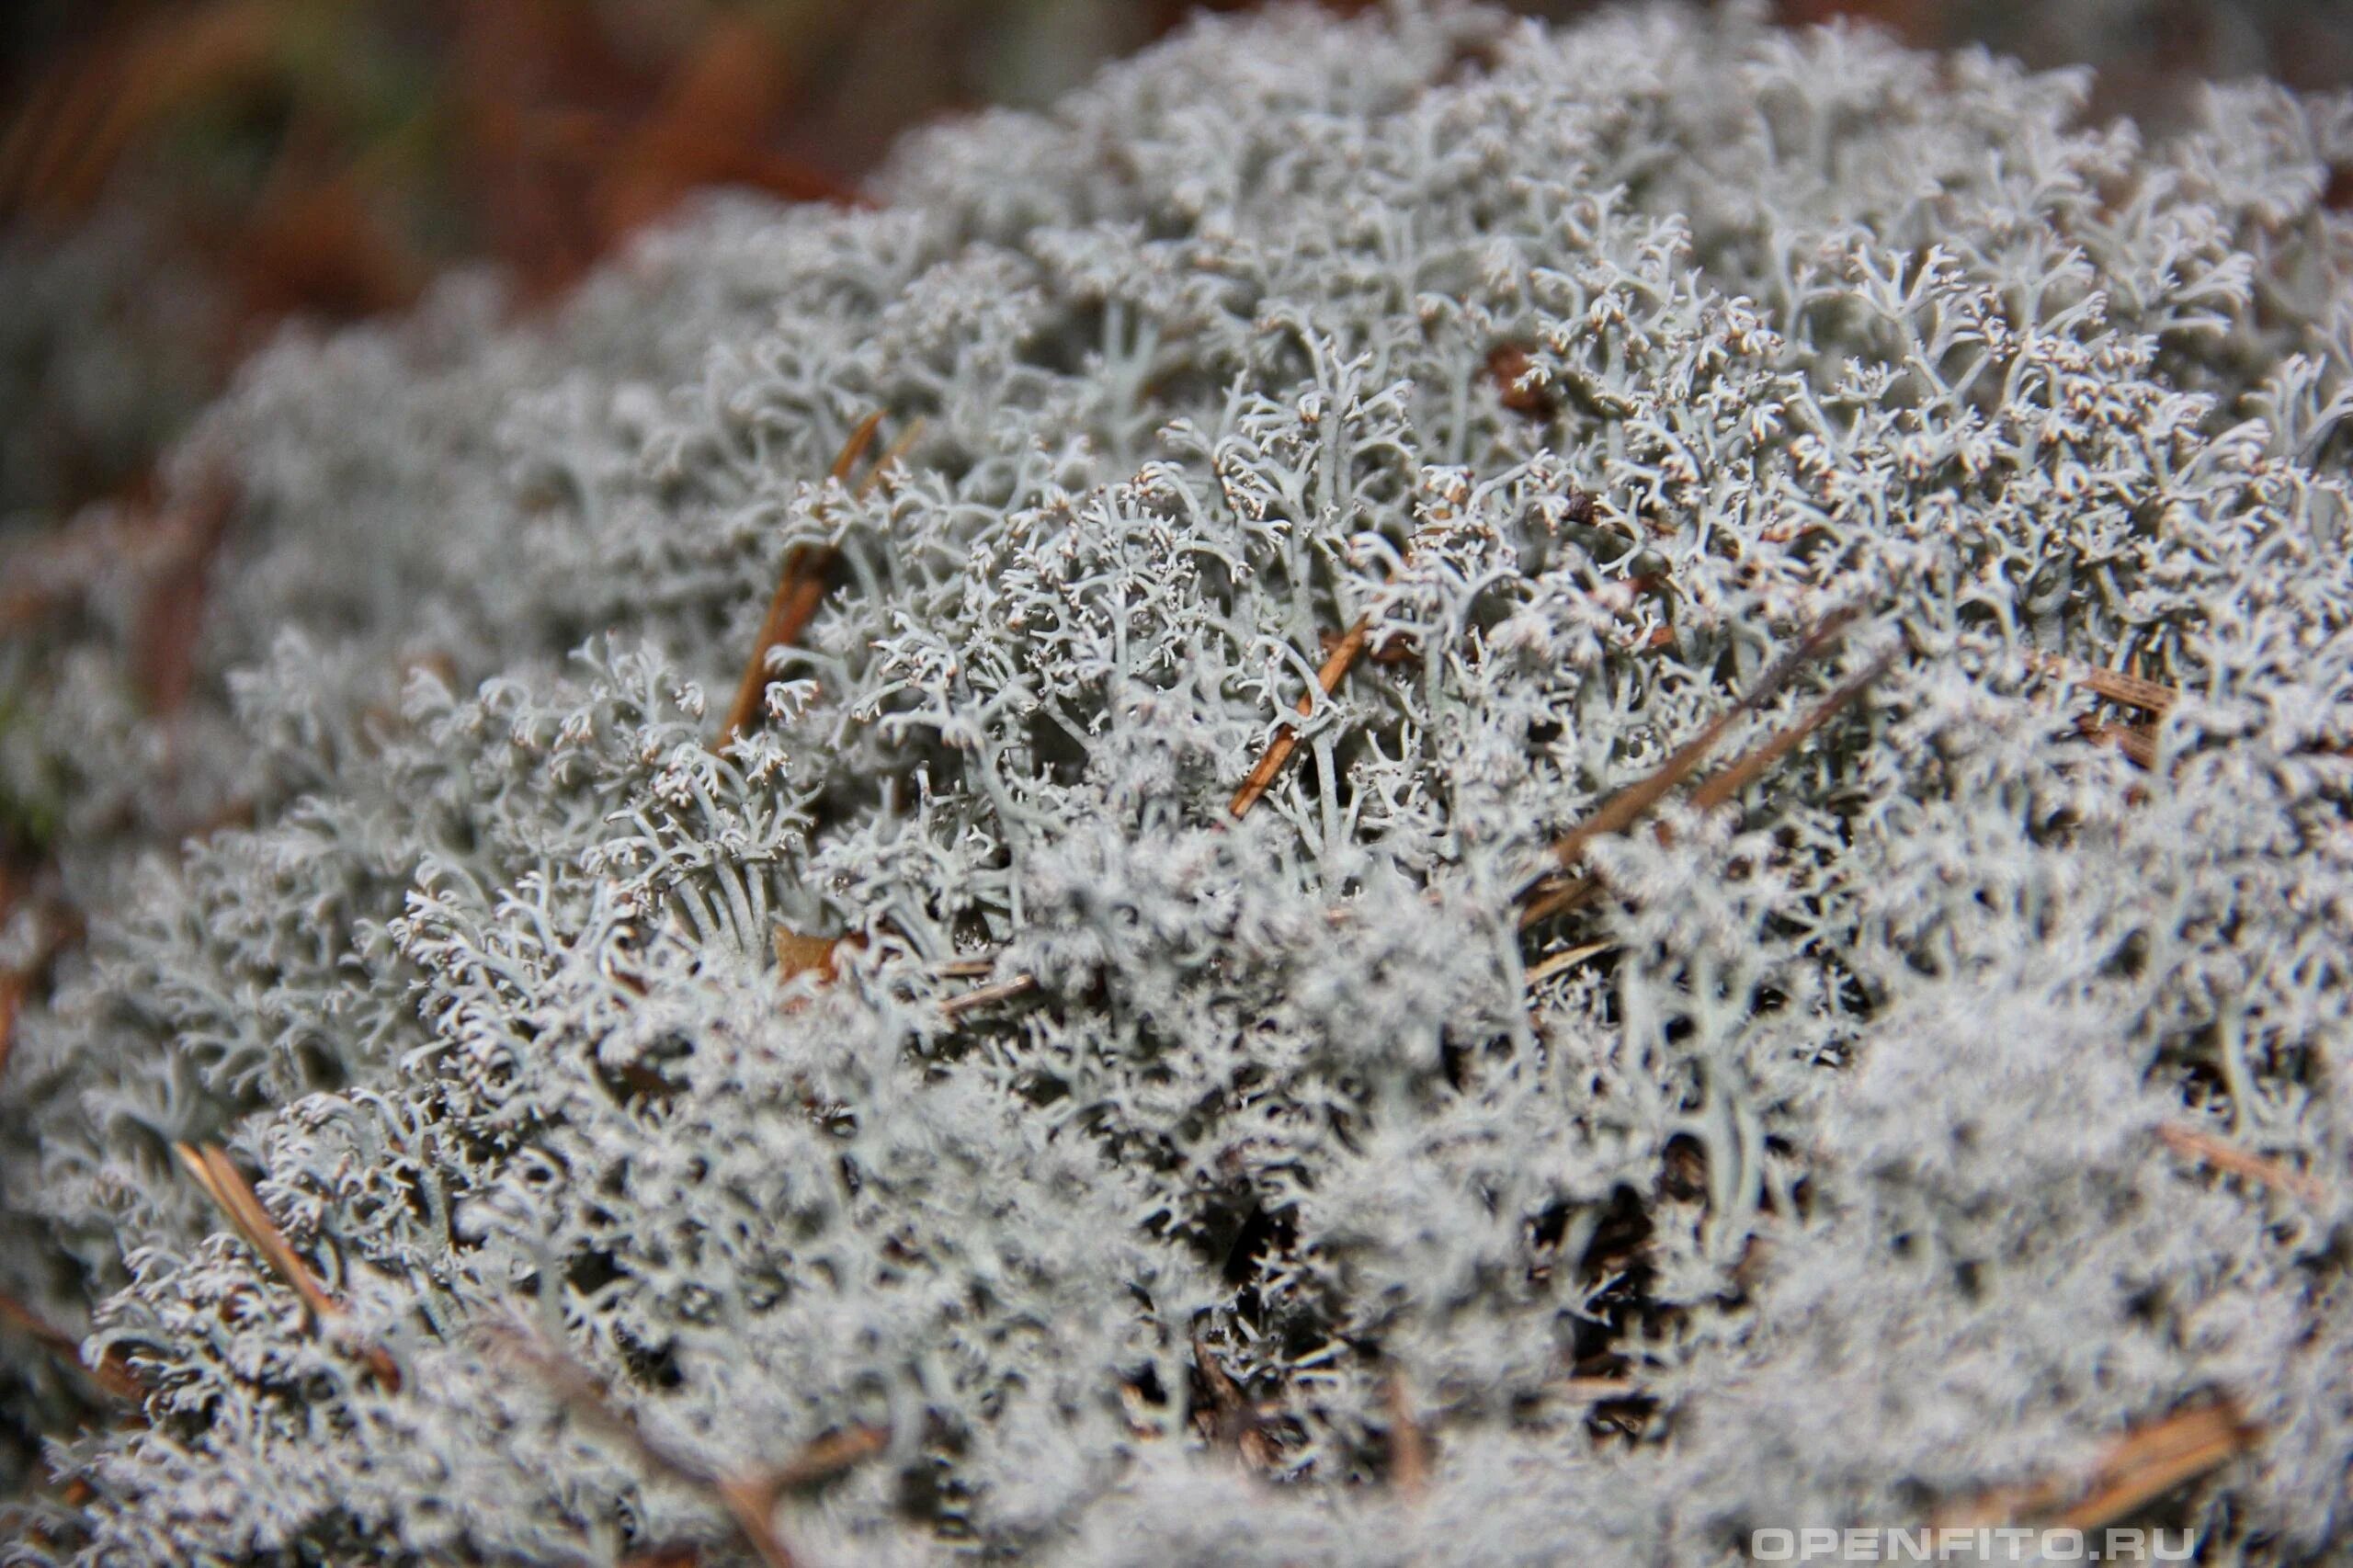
point(797, 955)
point(1510, 367)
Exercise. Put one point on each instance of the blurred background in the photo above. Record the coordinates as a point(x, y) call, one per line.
point(178, 176)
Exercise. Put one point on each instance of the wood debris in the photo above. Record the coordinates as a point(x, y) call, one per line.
point(989, 996)
point(2129, 690)
point(2137, 741)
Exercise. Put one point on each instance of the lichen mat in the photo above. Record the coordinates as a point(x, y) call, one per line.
point(945, 1116)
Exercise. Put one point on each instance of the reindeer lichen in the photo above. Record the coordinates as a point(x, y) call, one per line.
point(1120, 1170)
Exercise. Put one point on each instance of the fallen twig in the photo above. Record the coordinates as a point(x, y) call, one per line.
point(225, 1184)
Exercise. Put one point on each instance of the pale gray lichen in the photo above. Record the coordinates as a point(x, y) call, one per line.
point(1841, 1151)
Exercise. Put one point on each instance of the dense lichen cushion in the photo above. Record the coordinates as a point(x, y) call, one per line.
point(1965, 1093)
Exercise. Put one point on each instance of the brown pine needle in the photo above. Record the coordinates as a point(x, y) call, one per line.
point(22, 1320)
point(1554, 894)
point(2137, 741)
point(12, 1001)
point(2138, 1468)
point(1628, 806)
point(1558, 962)
point(18, 1318)
point(891, 454)
point(2192, 1143)
point(1333, 671)
point(2146, 1464)
point(1757, 761)
point(743, 1500)
point(664, 1557)
point(800, 589)
point(822, 1460)
point(1409, 1453)
point(2148, 696)
point(748, 1500)
point(226, 1186)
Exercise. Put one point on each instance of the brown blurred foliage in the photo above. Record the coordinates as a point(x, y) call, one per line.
point(328, 157)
